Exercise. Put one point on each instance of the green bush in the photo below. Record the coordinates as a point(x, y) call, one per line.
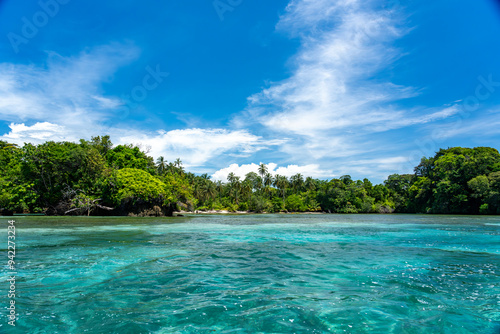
point(484, 209)
point(259, 204)
point(295, 203)
point(131, 183)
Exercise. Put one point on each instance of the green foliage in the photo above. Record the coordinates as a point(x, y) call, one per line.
point(101, 144)
point(294, 203)
point(277, 205)
point(179, 190)
point(84, 203)
point(480, 186)
point(57, 177)
point(18, 197)
point(15, 193)
point(456, 180)
point(51, 167)
point(89, 176)
point(399, 189)
point(131, 183)
point(128, 156)
point(484, 209)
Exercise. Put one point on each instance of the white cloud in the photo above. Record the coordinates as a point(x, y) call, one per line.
point(312, 170)
point(37, 133)
point(65, 91)
point(482, 126)
point(196, 147)
point(333, 107)
point(337, 103)
point(331, 89)
point(62, 101)
point(238, 170)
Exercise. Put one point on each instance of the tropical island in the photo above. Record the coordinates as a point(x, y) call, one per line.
point(96, 178)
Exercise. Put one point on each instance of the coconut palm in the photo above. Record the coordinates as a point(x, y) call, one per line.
point(161, 165)
point(209, 190)
point(178, 165)
point(254, 180)
point(297, 182)
point(246, 188)
point(219, 186)
point(310, 184)
point(232, 177)
point(262, 170)
point(281, 182)
point(268, 181)
point(234, 186)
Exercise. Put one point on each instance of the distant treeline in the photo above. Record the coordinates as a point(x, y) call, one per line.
point(96, 178)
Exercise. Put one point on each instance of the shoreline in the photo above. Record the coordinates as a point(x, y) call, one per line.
point(226, 212)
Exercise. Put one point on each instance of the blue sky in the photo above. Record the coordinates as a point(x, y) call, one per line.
point(320, 87)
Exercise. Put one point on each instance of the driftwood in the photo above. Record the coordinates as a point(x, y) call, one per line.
point(94, 202)
point(71, 210)
point(104, 207)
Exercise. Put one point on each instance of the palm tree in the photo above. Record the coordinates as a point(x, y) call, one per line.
point(161, 165)
point(209, 190)
point(178, 165)
point(254, 180)
point(220, 187)
point(262, 170)
point(246, 188)
point(310, 184)
point(268, 181)
point(281, 182)
point(230, 177)
point(234, 185)
point(198, 192)
point(170, 168)
point(297, 182)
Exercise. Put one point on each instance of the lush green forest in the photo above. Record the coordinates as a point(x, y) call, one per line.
point(96, 178)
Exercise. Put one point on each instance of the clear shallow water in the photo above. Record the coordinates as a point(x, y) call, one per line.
point(256, 274)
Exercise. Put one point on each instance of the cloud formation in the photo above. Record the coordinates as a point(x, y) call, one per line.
point(312, 170)
point(63, 101)
point(338, 102)
point(65, 90)
point(338, 109)
point(199, 146)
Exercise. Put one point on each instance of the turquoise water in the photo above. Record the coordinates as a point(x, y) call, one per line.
point(256, 274)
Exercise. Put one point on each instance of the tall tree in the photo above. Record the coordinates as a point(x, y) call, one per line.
point(262, 172)
point(297, 182)
point(161, 165)
point(281, 182)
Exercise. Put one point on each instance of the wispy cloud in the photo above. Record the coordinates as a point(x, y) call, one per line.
point(483, 126)
point(198, 146)
point(338, 109)
point(337, 101)
point(63, 101)
point(332, 87)
point(65, 90)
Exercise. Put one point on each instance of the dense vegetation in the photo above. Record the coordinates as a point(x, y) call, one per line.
point(93, 177)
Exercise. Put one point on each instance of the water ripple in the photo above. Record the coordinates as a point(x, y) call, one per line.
point(261, 274)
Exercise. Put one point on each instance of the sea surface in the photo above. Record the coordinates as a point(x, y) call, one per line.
point(255, 274)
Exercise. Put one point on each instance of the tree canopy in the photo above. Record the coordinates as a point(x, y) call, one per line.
point(95, 177)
